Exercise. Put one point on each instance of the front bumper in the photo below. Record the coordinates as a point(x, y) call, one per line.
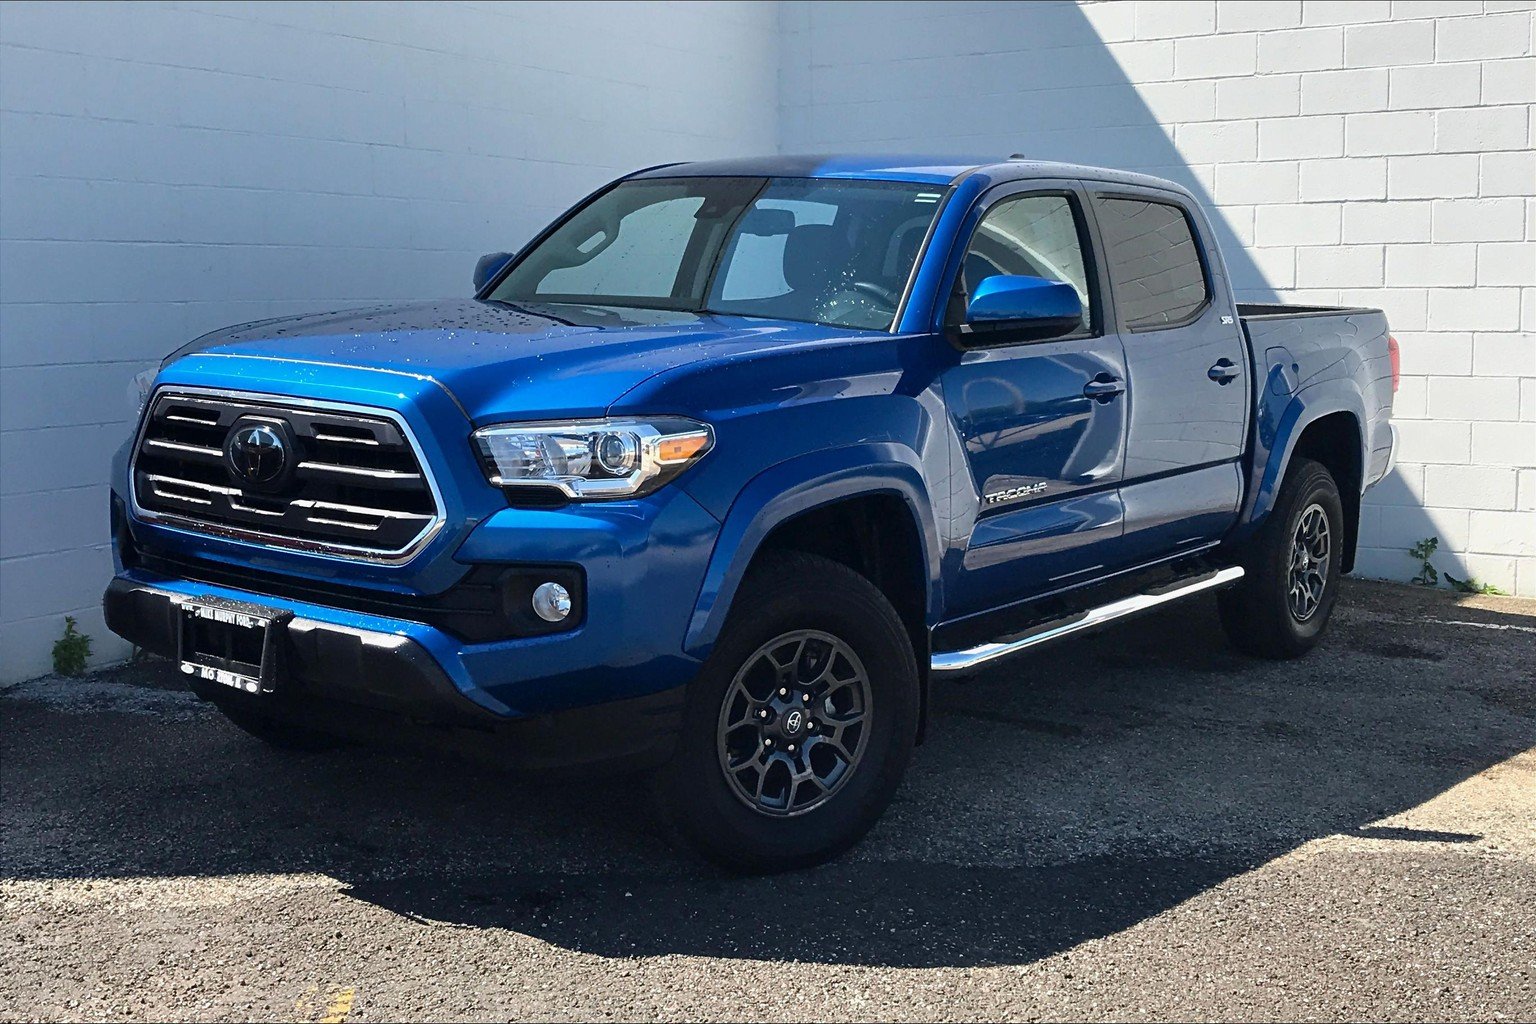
point(358, 681)
point(382, 670)
point(640, 564)
point(406, 638)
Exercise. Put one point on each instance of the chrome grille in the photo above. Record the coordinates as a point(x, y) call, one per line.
point(351, 481)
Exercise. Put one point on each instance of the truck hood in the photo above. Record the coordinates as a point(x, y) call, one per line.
point(502, 360)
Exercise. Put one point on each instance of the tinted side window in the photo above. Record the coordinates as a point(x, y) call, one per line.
point(1153, 261)
point(1036, 236)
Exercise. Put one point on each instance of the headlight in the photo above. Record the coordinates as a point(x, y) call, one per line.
point(592, 459)
point(138, 391)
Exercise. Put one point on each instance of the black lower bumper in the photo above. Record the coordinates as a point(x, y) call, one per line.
point(368, 685)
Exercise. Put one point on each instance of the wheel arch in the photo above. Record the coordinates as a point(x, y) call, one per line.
point(865, 506)
point(1336, 442)
point(886, 474)
point(1323, 423)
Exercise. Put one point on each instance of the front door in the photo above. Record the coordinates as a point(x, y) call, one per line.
point(1042, 423)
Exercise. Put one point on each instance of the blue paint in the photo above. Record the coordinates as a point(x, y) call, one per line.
point(1006, 297)
point(490, 266)
point(1017, 480)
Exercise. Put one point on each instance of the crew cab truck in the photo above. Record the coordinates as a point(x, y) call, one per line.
point(720, 471)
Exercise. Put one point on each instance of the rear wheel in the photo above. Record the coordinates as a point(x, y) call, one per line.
point(1281, 608)
point(799, 727)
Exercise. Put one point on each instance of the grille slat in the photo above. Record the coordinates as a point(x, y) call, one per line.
point(393, 478)
point(354, 484)
point(193, 450)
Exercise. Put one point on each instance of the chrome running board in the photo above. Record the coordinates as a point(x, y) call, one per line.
point(974, 657)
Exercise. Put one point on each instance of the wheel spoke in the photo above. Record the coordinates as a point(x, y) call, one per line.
point(803, 779)
point(789, 668)
point(1307, 574)
point(809, 667)
point(789, 750)
point(835, 741)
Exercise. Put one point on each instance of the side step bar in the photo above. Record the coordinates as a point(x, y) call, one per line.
point(974, 657)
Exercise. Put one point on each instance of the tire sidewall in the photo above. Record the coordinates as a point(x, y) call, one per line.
point(1314, 485)
point(705, 804)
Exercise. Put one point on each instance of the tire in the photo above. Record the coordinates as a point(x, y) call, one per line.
point(278, 732)
point(825, 634)
point(1263, 615)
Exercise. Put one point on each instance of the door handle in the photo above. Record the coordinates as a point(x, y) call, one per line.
point(1224, 372)
point(1103, 388)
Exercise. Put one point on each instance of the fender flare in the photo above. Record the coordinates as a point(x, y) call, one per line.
point(794, 487)
point(1273, 458)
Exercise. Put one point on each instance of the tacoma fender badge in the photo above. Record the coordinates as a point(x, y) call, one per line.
point(1016, 492)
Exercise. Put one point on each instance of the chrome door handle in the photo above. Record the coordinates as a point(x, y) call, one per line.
point(1103, 388)
point(1224, 372)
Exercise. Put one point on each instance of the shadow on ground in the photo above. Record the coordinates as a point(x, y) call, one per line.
point(1061, 798)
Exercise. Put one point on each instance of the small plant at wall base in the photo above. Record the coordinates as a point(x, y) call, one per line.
point(71, 650)
point(1424, 550)
point(1471, 585)
point(1428, 576)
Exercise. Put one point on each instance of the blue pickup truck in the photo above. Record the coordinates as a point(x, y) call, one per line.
point(722, 469)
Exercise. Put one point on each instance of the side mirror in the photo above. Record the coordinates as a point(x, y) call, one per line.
point(1014, 307)
point(489, 266)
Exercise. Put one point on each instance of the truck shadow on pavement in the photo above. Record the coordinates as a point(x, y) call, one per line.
point(1059, 799)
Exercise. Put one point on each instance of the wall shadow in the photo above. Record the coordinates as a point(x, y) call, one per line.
point(1392, 522)
point(1043, 84)
point(1059, 799)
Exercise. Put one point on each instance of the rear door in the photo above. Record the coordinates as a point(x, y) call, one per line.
point(1042, 423)
point(1186, 361)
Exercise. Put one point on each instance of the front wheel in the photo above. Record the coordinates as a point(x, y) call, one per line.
point(1293, 565)
point(800, 724)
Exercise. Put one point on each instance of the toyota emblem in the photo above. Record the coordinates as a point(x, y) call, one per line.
point(257, 453)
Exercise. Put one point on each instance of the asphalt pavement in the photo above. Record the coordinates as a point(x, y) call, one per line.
point(1137, 824)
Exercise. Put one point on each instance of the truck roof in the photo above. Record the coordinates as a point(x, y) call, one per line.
point(935, 170)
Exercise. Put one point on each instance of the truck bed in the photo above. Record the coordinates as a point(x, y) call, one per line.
point(1334, 355)
point(1275, 310)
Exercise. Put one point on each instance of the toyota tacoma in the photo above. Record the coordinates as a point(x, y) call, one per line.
point(717, 474)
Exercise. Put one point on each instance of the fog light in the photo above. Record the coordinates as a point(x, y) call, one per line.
point(551, 602)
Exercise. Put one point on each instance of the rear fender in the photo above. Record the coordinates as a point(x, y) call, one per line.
point(1279, 427)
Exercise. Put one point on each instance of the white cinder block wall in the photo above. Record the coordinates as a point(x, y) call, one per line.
point(170, 168)
point(1367, 152)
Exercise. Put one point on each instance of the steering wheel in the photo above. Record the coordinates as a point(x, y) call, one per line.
point(878, 292)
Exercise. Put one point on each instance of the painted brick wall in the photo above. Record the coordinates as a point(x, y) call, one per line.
point(169, 168)
point(1363, 152)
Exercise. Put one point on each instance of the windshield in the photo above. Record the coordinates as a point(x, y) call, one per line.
point(818, 250)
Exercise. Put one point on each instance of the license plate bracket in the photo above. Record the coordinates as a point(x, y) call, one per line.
point(232, 643)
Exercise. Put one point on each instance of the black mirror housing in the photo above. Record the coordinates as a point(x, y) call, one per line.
point(489, 266)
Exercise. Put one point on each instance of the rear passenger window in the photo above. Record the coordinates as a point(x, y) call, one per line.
point(1153, 262)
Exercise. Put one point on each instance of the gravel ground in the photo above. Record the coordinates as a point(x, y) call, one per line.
point(1140, 824)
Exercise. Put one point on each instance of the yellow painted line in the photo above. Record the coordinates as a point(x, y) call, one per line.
point(340, 1006)
point(302, 1007)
